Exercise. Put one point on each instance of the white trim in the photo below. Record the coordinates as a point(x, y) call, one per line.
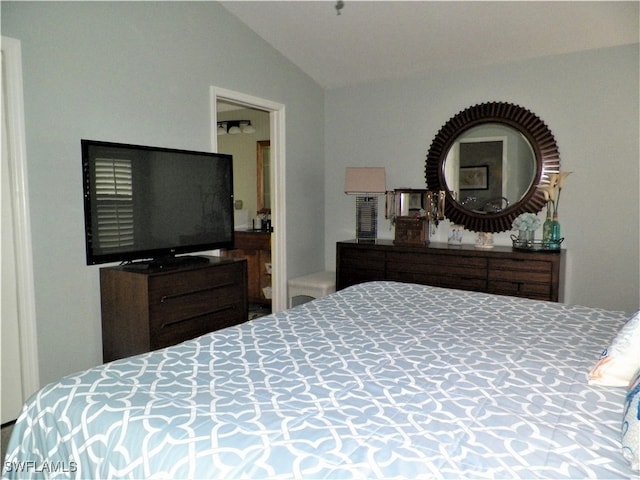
point(502, 138)
point(12, 54)
point(278, 181)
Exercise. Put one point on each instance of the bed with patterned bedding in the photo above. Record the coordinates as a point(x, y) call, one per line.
point(380, 380)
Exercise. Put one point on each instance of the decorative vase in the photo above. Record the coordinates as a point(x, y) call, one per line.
point(525, 237)
point(554, 235)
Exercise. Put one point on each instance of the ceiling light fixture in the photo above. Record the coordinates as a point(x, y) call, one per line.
point(339, 6)
point(246, 127)
point(235, 127)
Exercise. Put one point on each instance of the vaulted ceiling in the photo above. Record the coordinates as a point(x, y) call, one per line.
point(372, 40)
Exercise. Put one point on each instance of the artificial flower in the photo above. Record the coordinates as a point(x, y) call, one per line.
point(551, 191)
point(528, 222)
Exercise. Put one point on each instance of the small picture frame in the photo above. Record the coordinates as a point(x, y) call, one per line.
point(474, 178)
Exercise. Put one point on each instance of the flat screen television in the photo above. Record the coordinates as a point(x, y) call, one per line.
point(145, 205)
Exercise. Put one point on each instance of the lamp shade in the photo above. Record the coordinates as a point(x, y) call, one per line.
point(363, 180)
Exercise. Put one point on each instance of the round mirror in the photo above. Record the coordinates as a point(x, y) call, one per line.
point(489, 159)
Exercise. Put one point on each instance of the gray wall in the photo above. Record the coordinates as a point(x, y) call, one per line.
point(138, 72)
point(589, 100)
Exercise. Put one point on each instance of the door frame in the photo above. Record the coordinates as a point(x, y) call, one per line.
point(17, 158)
point(278, 211)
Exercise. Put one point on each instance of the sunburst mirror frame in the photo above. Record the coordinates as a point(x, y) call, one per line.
point(536, 132)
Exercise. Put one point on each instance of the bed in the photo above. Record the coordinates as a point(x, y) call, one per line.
point(380, 380)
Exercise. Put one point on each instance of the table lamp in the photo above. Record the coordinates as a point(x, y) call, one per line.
point(367, 183)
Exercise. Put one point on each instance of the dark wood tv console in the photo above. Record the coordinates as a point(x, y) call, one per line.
point(501, 270)
point(149, 309)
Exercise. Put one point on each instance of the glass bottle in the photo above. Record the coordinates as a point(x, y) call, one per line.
point(554, 238)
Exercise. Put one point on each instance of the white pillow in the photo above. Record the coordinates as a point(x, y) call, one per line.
point(621, 360)
point(631, 425)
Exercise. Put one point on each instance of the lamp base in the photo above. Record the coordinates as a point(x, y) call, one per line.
point(366, 219)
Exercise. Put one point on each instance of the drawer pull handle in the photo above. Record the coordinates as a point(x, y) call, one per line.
point(210, 312)
point(166, 298)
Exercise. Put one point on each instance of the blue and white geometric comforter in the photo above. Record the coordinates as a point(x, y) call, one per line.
point(381, 380)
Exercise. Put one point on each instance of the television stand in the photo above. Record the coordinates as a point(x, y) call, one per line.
point(145, 310)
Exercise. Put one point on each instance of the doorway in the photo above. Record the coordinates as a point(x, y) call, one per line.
point(276, 113)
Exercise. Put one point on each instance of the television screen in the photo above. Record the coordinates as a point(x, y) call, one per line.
point(153, 203)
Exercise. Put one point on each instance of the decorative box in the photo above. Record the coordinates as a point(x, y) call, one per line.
point(411, 231)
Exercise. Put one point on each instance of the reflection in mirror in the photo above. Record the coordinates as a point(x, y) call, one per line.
point(489, 167)
point(410, 202)
point(264, 174)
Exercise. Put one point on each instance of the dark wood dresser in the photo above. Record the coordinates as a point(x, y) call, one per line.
point(500, 270)
point(150, 309)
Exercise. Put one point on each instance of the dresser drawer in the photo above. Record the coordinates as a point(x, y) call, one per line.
point(471, 282)
point(362, 258)
point(180, 306)
point(359, 266)
point(521, 264)
point(523, 278)
point(175, 297)
point(466, 273)
point(179, 284)
point(522, 271)
point(169, 330)
point(348, 277)
point(539, 291)
point(437, 265)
